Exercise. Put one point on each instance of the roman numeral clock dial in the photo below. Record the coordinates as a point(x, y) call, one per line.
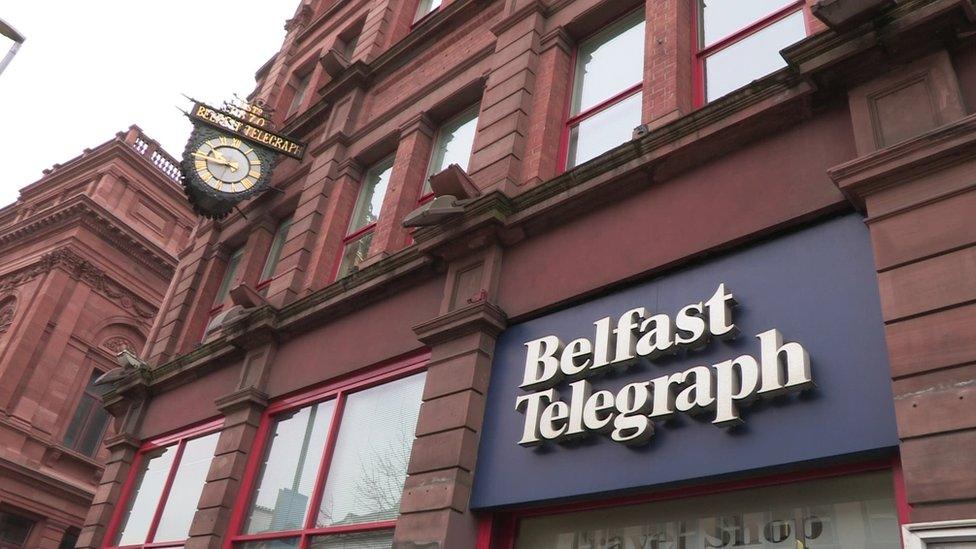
point(230, 155)
point(227, 165)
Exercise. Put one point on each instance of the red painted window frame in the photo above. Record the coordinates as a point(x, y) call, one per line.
point(575, 120)
point(178, 438)
point(701, 52)
point(499, 530)
point(369, 227)
point(332, 390)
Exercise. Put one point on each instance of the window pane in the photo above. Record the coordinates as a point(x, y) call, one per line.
point(14, 529)
point(369, 464)
point(363, 540)
point(604, 130)
point(274, 253)
point(92, 436)
point(291, 543)
point(145, 497)
point(300, 88)
point(287, 476)
point(371, 195)
point(85, 406)
point(609, 63)
point(354, 254)
point(229, 272)
point(70, 539)
point(752, 57)
point(828, 513)
point(454, 143)
point(425, 7)
point(191, 475)
point(725, 17)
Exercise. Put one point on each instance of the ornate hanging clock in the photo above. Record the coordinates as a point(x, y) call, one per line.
point(230, 157)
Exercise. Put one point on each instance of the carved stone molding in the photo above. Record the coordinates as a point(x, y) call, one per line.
point(81, 269)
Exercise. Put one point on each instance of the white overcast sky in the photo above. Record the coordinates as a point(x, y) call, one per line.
point(91, 68)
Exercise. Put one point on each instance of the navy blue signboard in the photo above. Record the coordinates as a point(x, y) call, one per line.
point(766, 356)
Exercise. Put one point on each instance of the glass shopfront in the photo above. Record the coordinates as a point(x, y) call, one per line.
point(839, 513)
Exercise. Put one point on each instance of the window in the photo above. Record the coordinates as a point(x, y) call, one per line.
point(364, 215)
point(89, 422)
point(425, 7)
point(274, 254)
point(332, 471)
point(301, 87)
point(229, 272)
point(163, 498)
point(70, 539)
point(740, 41)
point(453, 144)
point(840, 512)
point(14, 530)
point(606, 100)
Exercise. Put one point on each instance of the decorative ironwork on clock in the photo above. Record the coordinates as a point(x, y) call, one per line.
point(230, 155)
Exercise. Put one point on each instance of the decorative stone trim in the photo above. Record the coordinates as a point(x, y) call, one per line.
point(483, 316)
point(82, 209)
point(934, 150)
point(242, 399)
point(80, 269)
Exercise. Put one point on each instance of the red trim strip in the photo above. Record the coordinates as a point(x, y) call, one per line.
point(599, 107)
point(752, 28)
point(338, 389)
point(167, 439)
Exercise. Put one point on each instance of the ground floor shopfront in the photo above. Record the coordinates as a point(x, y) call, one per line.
point(749, 395)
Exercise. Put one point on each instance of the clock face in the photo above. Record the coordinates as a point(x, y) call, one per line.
point(227, 164)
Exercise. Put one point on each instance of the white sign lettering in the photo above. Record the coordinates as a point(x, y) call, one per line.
point(628, 415)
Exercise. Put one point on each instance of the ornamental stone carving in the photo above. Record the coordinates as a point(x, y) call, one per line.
point(80, 269)
point(7, 309)
point(117, 344)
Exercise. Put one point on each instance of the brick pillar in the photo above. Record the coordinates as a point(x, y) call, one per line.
point(916, 184)
point(341, 201)
point(196, 276)
point(255, 253)
point(409, 168)
point(667, 91)
point(434, 509)
point(548, 114)
point(499, 145)
point(242, 416)
point(386, 22)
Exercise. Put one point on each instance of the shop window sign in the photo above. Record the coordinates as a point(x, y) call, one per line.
point(842, 512)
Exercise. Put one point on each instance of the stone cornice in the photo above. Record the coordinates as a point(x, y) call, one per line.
point(931, 151)
point(82, 209)
point(481, 317)
point(75, 492)
point(70, 261)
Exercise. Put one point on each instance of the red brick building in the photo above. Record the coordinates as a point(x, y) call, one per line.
point(86, 254)
point(539, 363)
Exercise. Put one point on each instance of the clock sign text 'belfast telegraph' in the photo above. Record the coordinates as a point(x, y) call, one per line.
point(230, 155)
point(627, 415)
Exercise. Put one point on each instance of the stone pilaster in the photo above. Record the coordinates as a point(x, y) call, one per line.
point(434, 509)
point(914, 180)
point(407, 179)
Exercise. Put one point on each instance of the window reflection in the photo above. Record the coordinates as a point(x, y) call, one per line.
point(369, 463)
point(287, 476)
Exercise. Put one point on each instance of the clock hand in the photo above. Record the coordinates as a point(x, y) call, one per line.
point(222, 161)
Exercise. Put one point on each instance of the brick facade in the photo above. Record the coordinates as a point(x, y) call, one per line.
point(837, 130)
point(86, 254)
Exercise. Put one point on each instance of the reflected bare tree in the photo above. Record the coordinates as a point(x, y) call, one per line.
point(379, 484)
